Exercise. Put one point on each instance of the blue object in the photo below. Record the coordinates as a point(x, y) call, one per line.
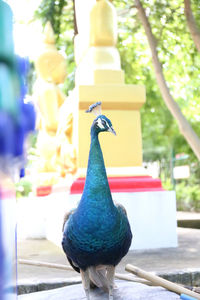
point(6, 134)
point(16, 120)
point(186, 297)
point(98, 231)
point(16, 117)
point(22, 173)
point(25, 120)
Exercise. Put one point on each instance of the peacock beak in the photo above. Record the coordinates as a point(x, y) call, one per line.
point(112, 130)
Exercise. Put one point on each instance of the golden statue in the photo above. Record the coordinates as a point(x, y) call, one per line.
point(55, 147)
point(99, 77)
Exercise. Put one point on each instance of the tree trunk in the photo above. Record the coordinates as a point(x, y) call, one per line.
point(185, 128)
point(74, 17)
point(195, 33)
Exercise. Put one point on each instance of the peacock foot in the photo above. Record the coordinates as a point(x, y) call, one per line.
point(87, 293)
point(111, 297)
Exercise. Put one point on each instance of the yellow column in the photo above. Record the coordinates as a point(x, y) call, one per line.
point(55, 143)
point(99, 77)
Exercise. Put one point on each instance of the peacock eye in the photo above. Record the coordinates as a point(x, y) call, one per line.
point(103, 122)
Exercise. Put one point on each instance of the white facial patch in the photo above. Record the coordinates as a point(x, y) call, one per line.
point(99, 123)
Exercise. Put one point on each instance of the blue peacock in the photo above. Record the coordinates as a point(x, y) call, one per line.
point(96, 235)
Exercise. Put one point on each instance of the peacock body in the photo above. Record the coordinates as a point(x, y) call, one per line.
point(97, 233)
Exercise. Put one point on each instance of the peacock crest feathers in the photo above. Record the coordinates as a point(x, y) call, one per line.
point(95, 109)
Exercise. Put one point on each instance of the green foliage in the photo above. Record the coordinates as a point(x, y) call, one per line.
point(31, 77)
point(32, 140)
point(167, 185)
point(61, 15)
point(188, 196)
point(188, 190)
point(52, 11)
point(181, 68)
point(23, 188)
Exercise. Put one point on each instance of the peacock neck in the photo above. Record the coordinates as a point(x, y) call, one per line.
point(96, 184)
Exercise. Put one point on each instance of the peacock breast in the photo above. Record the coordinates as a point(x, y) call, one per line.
point(93, 230)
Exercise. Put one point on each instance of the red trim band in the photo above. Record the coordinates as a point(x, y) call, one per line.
point(124, 184)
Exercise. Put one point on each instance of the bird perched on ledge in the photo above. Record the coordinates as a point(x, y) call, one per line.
point(96, 235)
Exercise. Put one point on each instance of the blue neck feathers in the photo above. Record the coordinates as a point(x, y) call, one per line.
point(96, 185)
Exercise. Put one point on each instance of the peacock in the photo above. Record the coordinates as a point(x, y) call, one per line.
point(97, 234)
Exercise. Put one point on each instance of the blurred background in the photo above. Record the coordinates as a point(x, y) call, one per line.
point(166, 154)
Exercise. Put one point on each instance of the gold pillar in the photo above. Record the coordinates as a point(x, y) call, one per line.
point(99, 77)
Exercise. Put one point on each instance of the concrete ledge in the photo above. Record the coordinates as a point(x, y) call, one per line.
point(189, 278)
point(27, 287)
point(189, 223)
point(188, 219)
point(125, 290)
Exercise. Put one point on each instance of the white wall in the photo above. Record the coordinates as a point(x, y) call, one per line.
point(152, 216)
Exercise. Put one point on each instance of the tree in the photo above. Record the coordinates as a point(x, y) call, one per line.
point(195, 32)
point(184, 126)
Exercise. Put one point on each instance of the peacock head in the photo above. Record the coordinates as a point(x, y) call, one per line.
point(101, 123)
